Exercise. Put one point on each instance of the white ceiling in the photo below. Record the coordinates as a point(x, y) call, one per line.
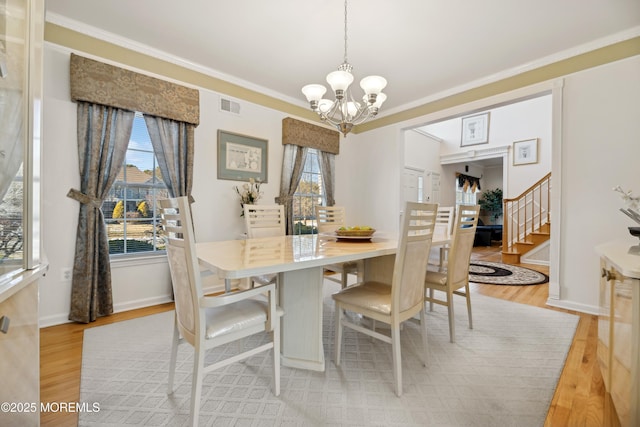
point(425, 48)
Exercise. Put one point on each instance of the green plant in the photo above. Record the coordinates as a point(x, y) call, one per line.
point(491, 202)
point(250, 193)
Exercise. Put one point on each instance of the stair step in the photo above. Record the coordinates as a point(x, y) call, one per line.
point(509, 257)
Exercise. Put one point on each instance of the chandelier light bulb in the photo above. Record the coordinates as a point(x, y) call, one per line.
point(324, 105)
point(314, 92)
point(379, 100)
point(339, 81)
point(373, 84)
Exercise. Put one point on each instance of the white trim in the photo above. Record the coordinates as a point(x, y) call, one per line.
point(132, 260)
point(555, 240)
point(569, 305)
point(485, 153)
point(62, 318)
point(427, 134)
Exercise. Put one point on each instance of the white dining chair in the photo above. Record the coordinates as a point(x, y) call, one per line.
point(443, 229)
point(456, 273)
point(206, 322)
point(328, 220)
point(264, 221)
point(396, 302)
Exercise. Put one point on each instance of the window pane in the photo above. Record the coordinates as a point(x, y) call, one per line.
point(310, 192)
point(131, 210)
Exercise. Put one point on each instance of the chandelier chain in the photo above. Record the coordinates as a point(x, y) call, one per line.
point(345, 31)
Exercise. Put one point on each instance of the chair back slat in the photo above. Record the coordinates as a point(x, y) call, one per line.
point(330, 218)
point(444, 221)
point(264, 220)
point(176, 221)
point(462, 244)
point(412, 255)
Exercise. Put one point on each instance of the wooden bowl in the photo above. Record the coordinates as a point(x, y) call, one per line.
point(355, 233)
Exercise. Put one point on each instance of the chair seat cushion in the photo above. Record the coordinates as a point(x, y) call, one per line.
point(436, 278)
point(234, 317)
point(265, 279)
point(347, 267)
point(373, 296)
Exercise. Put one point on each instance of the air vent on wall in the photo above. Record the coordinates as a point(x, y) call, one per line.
point(229, 106)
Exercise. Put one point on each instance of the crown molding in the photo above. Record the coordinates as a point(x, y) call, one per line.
point(476, 154)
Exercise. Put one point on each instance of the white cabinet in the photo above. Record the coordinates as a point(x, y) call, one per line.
point(619, 328)
point(20, 352)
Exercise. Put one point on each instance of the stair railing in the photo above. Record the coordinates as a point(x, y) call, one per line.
point(526, 213)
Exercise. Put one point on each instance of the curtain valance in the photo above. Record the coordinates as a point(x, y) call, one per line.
point(466, 182)
point(104, 84)
point(305, 134)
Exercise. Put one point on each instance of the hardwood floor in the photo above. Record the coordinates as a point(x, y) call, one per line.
point(579, 400)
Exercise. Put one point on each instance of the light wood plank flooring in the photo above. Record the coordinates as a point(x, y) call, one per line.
point(579, 400)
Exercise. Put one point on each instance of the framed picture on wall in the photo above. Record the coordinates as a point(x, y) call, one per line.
point(242, 157)
point(525, 152)
point(475, 130)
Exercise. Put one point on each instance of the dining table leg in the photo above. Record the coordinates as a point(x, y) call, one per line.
point(301, 297)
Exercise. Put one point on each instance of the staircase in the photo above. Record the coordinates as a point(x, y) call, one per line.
point(527, 221)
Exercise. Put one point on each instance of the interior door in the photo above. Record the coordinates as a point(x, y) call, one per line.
point(413, 185)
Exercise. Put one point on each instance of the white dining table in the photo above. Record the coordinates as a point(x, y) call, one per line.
point(299, 262)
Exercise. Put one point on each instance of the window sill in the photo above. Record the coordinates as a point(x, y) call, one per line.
point(131, 260)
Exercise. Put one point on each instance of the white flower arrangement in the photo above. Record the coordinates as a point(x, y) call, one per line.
point(250, 193)
point(632, 204)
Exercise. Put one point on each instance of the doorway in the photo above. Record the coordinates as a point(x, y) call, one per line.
point(499, 150)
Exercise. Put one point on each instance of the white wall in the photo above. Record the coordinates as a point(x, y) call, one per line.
point(600, 149)
point(421, 151)
point(216, 210)
point(368, 180)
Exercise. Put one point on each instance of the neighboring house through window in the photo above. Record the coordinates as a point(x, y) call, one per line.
point(130, 209)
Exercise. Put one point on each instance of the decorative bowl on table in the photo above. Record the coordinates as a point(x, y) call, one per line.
point(355, 232)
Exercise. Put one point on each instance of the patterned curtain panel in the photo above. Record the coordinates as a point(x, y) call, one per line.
point(173, 144)
point(103, 137)
point(104, 84)
point(305, 134)
point(292, 167)
point(327, 166)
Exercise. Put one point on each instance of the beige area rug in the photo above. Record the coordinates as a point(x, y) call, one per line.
point(501, 373)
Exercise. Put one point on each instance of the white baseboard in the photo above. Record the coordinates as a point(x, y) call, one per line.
point(570, 305)
point(62, 318)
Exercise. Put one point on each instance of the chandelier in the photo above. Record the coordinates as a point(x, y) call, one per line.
point(345, 112)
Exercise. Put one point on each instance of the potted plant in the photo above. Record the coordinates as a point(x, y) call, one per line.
point(491, 202)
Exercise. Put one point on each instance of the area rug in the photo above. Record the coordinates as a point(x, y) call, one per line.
point(497, 273)
point(501, 373)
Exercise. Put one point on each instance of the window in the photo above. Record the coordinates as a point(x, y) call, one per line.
point(465, 197)
point(130, 209)
point(310, 192)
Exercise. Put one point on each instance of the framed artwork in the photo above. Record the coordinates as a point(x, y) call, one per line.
point(242, 157)
point(475, 130)
point(525, 152)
